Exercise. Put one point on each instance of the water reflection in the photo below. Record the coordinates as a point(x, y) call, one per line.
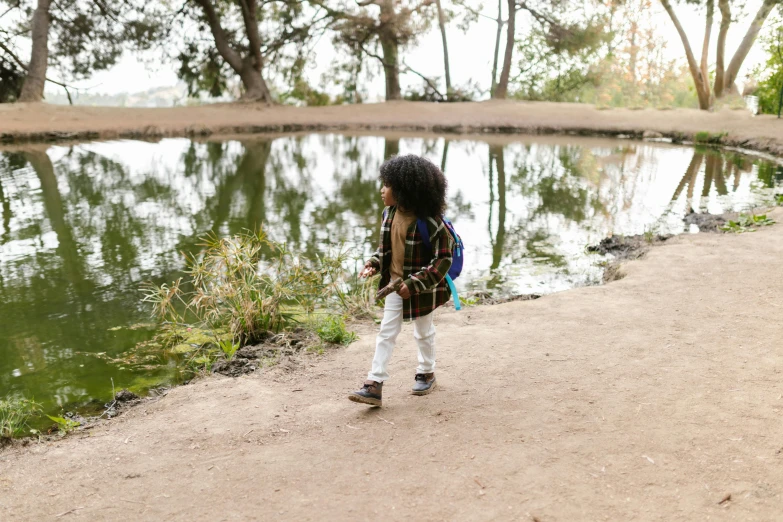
point(83, 226)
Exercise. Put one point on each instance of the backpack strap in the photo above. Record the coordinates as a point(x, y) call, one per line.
point(425, 238)
point(424, 232)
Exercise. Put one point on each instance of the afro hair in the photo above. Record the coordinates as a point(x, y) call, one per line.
point(418, 184)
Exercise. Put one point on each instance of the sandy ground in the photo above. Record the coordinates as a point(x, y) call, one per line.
point(651, 398)
point(42, 122)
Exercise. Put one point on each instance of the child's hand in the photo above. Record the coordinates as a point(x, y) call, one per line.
point(404, 292)
point(368, 271)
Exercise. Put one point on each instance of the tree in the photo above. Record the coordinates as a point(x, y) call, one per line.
point(250, 40)
point(725, 76)
point(770, 74)
point(395, 25)
point(442, 27)
point(77, 37)
point(566, 30)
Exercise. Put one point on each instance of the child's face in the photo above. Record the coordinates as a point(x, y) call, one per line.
point(388, 196)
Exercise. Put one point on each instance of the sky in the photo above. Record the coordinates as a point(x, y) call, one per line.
point(471, 55)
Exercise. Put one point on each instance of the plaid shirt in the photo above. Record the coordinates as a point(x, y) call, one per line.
point(423, 269)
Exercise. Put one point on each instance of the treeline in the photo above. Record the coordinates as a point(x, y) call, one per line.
point(600, 51)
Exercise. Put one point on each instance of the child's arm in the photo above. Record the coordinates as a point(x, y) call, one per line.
point(442, 246)
point(373, 265)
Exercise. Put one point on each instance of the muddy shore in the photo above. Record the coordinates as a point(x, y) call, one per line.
point(21, 123)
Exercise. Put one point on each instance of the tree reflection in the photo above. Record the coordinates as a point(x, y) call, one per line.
point(718, 168)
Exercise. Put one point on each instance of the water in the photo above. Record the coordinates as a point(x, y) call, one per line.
point(83, 226)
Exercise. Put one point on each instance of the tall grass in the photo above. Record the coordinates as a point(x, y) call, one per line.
point(15, 413)
point(254, 287)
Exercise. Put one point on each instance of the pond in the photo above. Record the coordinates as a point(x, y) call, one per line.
point(84, 226)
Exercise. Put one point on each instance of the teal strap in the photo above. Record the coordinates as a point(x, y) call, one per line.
point(454, 293)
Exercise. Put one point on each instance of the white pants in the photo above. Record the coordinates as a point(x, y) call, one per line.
point(423, 332)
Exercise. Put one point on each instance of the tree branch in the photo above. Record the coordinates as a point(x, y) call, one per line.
point(692, 65)
point(427, 80)
point(705, 48)
point(251, 27)
point(229, 54)
point(747, 43)
point(720, 67)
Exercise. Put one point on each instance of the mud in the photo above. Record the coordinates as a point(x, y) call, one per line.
point(708, 222)
point(625, 248)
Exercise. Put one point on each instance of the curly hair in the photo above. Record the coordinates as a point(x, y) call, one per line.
point(418, 184)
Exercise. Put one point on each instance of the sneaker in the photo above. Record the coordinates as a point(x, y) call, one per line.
point(369, 394)
point(425, 383)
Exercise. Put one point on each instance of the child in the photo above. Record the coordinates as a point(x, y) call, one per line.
point(413, 188)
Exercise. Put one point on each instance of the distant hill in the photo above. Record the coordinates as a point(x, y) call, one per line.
point(173, 96)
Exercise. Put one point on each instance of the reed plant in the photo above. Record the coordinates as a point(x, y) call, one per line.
point(253, 287)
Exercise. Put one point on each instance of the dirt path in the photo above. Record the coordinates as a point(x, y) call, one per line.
point(42, 122)
point(652, 398)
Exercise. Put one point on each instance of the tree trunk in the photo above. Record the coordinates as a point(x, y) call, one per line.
point(501, 90)
point(702, 87)
point(249, 68)
point(253, 81)
point(391, 64)
point(746, 44)
point(391, 147)
point(705, 49)
point(442, 24)
point(500, 237)
point(720, 59)
point(33, 87)
point(443, 156)
point(391, 68)
point(500, 23)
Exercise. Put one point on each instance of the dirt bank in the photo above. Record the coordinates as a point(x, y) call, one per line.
point(42, 122)
point(651, 398)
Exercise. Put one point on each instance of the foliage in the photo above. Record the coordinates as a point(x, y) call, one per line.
point(633, 70)
point(779, 199)
point(85, 37)
point(747, 223)
point(229, 348)
point(331, 329)
point(233, 285)
point(11, 79)
point(285, 31)
point(378, 29)
point(64, 425)
point(14, 416)
point(770, 74)
point(556, 53)
point(709, 137)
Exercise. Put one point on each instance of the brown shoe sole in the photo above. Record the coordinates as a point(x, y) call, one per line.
point(425, 392)
point(364, 400)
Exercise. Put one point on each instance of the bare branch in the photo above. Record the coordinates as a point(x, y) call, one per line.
point(427, 80)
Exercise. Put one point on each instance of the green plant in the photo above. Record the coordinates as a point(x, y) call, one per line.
point(709, 137)
point(747, 223)
point(229, 348)
point(250, 286)
point(779, 199)
point(64, 425)
point(15, 414)
point(331, 329)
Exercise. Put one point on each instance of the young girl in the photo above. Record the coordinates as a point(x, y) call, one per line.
point(413, 188)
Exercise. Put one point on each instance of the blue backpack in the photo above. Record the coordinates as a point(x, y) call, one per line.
point(457, 257)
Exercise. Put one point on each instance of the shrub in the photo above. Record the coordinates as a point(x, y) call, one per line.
point(332, 329)
point(249, 287)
